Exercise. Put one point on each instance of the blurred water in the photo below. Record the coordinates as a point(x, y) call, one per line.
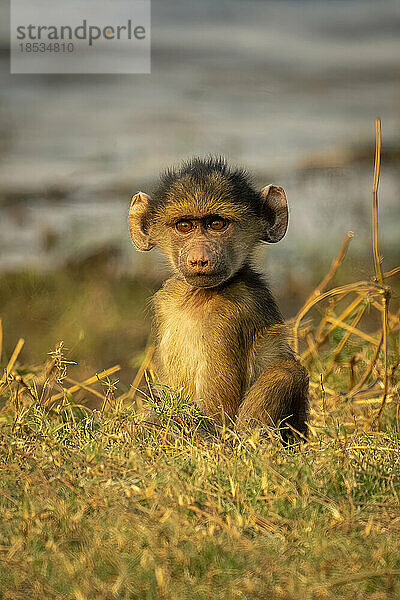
point(289, 89)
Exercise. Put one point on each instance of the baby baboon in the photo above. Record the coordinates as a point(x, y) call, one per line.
point(220, 335)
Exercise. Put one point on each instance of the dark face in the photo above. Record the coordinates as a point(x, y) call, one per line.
point(207, 227)
point(203, 252)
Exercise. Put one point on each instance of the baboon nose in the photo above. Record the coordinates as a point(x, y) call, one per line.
point(199, 263)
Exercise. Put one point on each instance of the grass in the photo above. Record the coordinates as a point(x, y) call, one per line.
point(101, 503)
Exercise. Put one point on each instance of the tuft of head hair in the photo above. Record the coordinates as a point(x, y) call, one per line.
point(209, 176)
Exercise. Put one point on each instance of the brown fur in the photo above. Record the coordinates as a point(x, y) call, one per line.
point(220, 336)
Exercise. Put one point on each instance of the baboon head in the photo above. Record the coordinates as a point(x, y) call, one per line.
point(207, 219)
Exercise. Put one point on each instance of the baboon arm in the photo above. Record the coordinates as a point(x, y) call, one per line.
point(277, 398)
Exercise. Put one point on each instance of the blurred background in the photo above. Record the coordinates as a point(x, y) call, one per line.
point(291, 90)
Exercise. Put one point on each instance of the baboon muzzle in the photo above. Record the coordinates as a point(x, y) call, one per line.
point(199, 262)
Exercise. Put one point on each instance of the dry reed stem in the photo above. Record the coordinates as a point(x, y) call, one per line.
point(394, 271)
point(13, 359)
point(359, 286)
point(385, 357)
point(368, 370)
point(352, 329)
point(139, 375)
point(334, 266)
point(89, 381)
point(322, 337)
point(312, 346)
point(378, 263)
point(375, 231)
point(348, 333)
point(85, 387)
point(318, 290)
point(374, 400)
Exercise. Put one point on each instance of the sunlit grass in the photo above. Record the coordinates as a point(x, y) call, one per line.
point(107, 504)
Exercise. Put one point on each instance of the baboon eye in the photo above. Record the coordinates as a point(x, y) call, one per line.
point(184, 226)
point(217, 224)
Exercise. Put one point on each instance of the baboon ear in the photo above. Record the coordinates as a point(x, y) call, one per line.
point(139, 221)
point(275, 212)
